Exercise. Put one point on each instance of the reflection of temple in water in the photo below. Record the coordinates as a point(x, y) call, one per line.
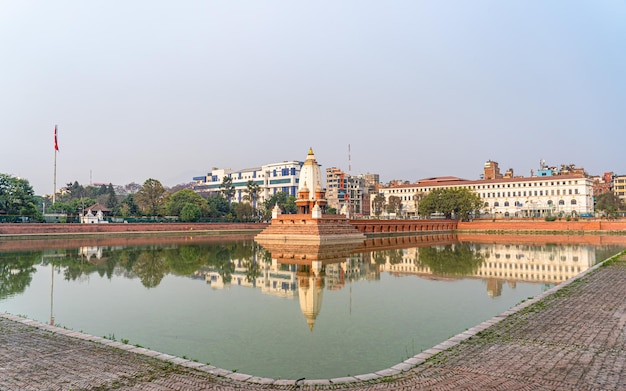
point(548, 264)
point(303, 270)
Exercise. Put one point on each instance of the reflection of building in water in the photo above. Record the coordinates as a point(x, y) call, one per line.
point(356, 267)
point(275, 279)
point(299, 268)
point(310, 289)
point(89, 252)
point(548, 264)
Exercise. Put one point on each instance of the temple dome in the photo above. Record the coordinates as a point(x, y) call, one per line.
point(310, 175)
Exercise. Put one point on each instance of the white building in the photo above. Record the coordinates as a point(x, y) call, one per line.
point(561, 195)
point(271, 178)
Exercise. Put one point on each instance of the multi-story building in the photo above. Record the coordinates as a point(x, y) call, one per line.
point(348, 193)
point(561, 193)
point(271, 179)
point(602, 184)
point(619, 186)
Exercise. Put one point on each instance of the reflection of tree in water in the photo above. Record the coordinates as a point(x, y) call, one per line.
point(151, 267)
point(249, 257)
point(16, 272)
point(253, 269)
point(394, 256)
point(455, 260)
point(379, 257)
point(186, 259)
point(149, 263)
point(222, 263)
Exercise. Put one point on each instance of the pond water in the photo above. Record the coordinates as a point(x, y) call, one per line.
point(238, 306)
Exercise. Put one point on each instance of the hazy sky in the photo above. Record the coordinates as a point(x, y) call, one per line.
point(170, 89)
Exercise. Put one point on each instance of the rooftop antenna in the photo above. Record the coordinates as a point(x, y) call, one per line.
point(349, 212)
point(349, 160)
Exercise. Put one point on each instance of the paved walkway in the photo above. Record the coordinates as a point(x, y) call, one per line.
point(572, 337)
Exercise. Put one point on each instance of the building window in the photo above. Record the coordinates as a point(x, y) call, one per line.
point(573, 202)
point(561, 202)
point(506, 203)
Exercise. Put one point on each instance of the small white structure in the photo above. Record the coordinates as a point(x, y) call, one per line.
point(90, 218)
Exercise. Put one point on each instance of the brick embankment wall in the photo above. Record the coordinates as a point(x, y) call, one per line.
point(52, 229)
point(532, 226)
point(37, 243)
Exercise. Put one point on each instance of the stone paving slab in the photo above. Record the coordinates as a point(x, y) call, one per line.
point(570, 338)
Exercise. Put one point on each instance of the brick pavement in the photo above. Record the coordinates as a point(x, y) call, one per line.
point(572, 337)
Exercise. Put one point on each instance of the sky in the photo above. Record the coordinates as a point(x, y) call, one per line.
point(405, 89)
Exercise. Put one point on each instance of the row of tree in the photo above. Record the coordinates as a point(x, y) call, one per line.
point(151, 199)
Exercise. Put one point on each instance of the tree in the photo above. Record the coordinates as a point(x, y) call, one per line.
point(461, 202)
point(394, 205)
point(417, 198)
point(178, 200)
point(111, 202)
point(190, 212)
point(218, 206)
point(16, 196)
point(244, 211)
point(227, 188)
point(128, 206)
point(609, 203)
point(73, 191)
point(252, 192)
point(286, 203)
point(151, 198)
point(378, 204)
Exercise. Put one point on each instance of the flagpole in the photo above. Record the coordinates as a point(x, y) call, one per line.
point(56, 148)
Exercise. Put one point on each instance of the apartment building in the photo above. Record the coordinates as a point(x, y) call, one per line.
point(561, 193)
point(271, 178)
point(349, 193)
point(619, 186)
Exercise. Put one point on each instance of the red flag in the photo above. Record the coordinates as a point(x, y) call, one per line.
point(56, 144)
